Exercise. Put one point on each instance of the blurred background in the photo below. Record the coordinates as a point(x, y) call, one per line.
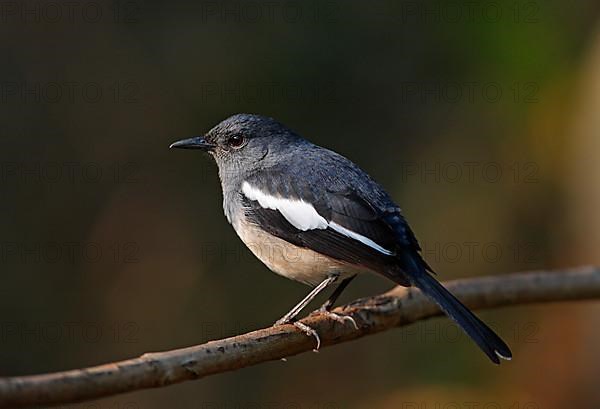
point(481, 118)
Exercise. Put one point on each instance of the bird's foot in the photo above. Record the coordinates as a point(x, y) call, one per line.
point(310, 332)
point(342, 319)
point(302, 327)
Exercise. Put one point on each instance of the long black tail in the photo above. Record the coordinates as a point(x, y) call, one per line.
point(415, 269)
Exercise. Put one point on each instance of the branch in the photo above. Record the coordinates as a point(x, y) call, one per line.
point(398, 307)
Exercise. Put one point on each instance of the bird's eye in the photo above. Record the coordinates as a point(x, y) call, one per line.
point(236, 141)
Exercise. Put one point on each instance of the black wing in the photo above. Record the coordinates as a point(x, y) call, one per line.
point(356, 203)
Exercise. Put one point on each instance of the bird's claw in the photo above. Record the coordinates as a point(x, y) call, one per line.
point(310, 332)
point(302, 327)
point(342, 319)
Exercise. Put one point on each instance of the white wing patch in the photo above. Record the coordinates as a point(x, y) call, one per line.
point(300, 214)
point(359, 237)
point(304, 216)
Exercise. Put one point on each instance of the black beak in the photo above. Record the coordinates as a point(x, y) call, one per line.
point(197, 142)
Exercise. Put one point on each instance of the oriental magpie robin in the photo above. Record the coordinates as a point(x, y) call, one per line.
point(314, 216)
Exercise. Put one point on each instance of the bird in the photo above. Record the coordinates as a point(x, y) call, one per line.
point(314, 216)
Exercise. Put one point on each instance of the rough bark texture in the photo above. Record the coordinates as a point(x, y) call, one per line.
point(398, 307)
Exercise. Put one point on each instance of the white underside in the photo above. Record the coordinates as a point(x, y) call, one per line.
point(293, 262)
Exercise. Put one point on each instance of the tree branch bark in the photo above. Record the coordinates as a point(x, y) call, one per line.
point(398, 307)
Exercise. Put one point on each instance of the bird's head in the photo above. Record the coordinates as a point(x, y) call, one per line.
point(243, 142)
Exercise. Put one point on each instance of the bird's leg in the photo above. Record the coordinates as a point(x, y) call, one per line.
point(328, 305)
point(291, 315)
